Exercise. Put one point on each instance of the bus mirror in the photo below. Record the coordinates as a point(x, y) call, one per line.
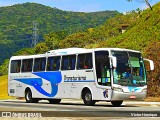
point(150, 63)
point(114, 61)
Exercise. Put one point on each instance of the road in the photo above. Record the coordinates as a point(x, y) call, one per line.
point(76, 108)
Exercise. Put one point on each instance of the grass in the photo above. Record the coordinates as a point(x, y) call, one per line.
point(152, 99)
point(4, 88)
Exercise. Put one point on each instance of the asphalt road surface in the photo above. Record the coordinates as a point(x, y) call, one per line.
point(76, 108)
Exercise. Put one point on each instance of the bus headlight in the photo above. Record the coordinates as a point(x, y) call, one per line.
point(144, 90)
point(118, 89)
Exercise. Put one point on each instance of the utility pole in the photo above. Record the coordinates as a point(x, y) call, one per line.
point(35, 34)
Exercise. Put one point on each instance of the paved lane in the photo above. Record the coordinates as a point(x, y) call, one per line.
point(76, 108)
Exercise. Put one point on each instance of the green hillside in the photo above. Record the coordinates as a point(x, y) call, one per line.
point(16, 24)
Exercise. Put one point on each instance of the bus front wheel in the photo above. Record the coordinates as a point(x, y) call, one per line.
point(28, 97)
point(117, 103)
point(87, 98)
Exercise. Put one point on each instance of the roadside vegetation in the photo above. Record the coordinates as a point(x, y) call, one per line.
point(3, 87)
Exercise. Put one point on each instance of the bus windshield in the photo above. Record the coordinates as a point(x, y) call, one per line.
point(130, 69)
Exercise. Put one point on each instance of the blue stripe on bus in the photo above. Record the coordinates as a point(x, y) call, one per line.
point(133, 88)
point(63, 52)
point(53, 77)
point(79, 81)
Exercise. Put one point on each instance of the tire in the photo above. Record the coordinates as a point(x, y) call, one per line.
point(29, 99)
point(54, 101)
point(87, 99)
point(116, 103)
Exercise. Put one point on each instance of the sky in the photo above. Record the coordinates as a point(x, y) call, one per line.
point(86, 5)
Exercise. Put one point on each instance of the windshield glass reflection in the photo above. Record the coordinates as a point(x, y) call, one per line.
point(130, 69)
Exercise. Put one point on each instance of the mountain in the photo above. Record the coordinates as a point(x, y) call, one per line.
point(16, 24)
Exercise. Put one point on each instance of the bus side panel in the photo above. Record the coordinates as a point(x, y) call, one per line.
point(14, 87)
point(100, 93)
point(73, 83)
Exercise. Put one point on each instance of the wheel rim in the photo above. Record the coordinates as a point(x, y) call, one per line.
point(88, 97)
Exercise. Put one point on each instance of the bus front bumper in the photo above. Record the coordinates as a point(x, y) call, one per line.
point(116, 95)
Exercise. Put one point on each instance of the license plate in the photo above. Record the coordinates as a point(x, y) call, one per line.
point(132, 97)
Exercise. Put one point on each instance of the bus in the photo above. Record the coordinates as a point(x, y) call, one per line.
point(101, 74)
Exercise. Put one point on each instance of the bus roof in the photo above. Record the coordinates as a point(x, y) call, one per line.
point(83, 50)
point(117, 49)
point(70, 51)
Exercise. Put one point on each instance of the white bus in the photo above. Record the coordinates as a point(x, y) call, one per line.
point(101, 74)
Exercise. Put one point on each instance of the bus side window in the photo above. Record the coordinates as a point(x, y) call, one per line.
point(50, 61)
point(68, 62)
point(15, 66)
point(72, 62)
point(88, 61)
point(64, 63)
point(39, 64)
point(36, 65)
point(84, 61)
point(27, 65)
point(80, 64)
point(53, 63)
point(57, 62)
point(43, 64)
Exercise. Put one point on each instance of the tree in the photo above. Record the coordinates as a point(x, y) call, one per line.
point(149, 5)
point(4, 67)
point(52, 40)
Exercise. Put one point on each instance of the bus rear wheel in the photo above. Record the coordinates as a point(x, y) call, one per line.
point(54, 101)
point(116, 103)
point(87, 99)
point(28, 97)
